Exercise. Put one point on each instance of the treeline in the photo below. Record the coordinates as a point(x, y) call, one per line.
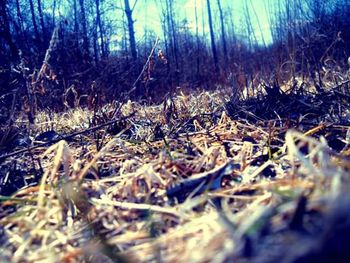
point(87, 51)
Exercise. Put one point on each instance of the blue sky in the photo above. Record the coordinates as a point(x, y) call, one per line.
point(147, 14)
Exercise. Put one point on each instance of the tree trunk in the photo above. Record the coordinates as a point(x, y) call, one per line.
point(128, 12)
point(99, 23)
point(5, 32)
point(250, 30)
point(53, 13)
point(19, 16)
point(94, 44)
point(20, 22)
point(125, 47)
point(172, 41)
point(41, 19)
point(232, 35)
point(83, 22)
point(223, 33)
point(36, 32)
point(197, 39)
point(76, 25)
point(212, 38)
point(259, 24)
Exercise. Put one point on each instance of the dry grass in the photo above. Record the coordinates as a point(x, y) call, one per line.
point(111, 204)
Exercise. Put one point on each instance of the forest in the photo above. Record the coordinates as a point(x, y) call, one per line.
point(174, 130)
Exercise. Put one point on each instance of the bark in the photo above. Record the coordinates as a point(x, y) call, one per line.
point(32, 11)
point(223, 33)
point(41, 19)
point(53, 13)
point(99, 23)
point(83, 22)
point(174, 38)
point(125, 39)
point(19, 16)
point(212, 37)
point(165, 36)
point(250, 31)
point(197, 38)
point(259, 25)
point(76, 25)
point(5, 32)
point(94, 42)
point(128, 12)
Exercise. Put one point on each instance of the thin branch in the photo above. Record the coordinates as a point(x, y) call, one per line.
point(133, 7)
point(52, 46)
point(145, 66)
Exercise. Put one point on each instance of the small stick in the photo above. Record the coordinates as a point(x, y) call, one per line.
point(52, 46)
point(144, 67)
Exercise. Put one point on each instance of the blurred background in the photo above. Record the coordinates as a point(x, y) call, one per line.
point(150, 47)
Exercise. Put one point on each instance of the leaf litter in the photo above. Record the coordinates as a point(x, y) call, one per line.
point(201, 177)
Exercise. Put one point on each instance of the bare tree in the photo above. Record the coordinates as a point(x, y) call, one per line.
point(165, 25)
point(99, 23)
point(223, 34)
point(172, 35)
point(75, 10)
point(212, 37)
point(32, 11)
point(5, 32)
point(124, 43)
point(128, 12)
point(197, 38)
point(54, 3)
point(94, 44)
point(252, 40)
point(83, 22)
point(41, 19)
point(259, 25)
point(20, 22)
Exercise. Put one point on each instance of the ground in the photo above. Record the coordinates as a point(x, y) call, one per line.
point(201, 177)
